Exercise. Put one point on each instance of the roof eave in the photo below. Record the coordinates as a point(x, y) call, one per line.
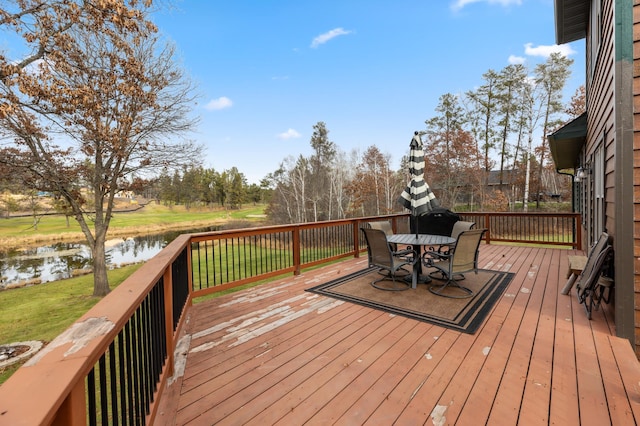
point(566, 143)
point(571, 19)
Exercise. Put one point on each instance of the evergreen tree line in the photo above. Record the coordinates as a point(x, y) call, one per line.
point(197, 186)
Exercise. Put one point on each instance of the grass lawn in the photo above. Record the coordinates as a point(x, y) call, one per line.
point(42, 312)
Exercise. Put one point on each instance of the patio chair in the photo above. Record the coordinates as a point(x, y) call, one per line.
point(389, 262)
point(462, 258)
point(458, 227)
point(578, 263)
point(591, 285)
point(461, 226)
point(402, 226)
point(384, 226)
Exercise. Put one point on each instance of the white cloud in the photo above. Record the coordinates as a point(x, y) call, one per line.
point(220, 103)
point(546, 51)
point(323, 38)
point(289, 134)
point(516, 60)
point(459, 4)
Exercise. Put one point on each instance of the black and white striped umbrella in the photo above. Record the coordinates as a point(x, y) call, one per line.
point(417, 196)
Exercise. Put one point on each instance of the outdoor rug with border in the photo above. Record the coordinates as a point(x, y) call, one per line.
point(464, 315)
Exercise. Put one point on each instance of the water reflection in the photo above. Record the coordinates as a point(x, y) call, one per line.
point(60, 260)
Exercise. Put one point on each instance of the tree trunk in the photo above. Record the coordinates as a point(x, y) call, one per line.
point(525, 200)
point(100, 280)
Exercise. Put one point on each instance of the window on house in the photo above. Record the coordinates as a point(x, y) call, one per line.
point(595, 35)
point(598, 174)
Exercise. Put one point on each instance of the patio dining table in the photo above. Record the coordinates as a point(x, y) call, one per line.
point(417, 242)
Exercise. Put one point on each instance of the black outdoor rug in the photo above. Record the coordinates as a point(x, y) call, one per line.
point(464, 315)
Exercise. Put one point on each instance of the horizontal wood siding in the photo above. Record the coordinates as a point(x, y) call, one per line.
point(636, 164)
point(601, 116)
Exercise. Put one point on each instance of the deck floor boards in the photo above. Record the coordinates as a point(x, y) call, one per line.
point(276, 354)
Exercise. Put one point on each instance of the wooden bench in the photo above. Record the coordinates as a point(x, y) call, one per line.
point(576, 265)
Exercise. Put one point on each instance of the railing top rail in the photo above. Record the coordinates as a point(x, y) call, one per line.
point(284, 228)
point(533, 214)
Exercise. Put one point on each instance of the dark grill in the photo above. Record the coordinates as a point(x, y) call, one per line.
point(437, 222)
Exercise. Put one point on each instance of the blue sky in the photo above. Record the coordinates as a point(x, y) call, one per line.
point(372, 70)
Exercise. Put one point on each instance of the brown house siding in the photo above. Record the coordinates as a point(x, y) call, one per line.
point(601, 119)
point(607, 109)
point(611, 30)
point(636, 167)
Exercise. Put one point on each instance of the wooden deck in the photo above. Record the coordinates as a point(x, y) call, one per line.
point(276, 354)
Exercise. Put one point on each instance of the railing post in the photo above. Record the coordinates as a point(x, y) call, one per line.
point(487, 225)
point(578, 228)
point(296, 250)
point(356, 238)
point(167, 279)
point(190, 271)
point(73, 411)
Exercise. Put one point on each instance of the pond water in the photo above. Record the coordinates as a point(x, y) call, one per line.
point(64, 260)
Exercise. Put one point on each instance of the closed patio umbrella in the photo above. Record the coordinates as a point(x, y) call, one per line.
point(417, 196)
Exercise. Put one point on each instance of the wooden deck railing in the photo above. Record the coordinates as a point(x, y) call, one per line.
point(530, 228)
point(112, 365)
point(229, 259)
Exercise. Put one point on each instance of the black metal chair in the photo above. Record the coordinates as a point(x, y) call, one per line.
point(462, 258)
point(389, 262)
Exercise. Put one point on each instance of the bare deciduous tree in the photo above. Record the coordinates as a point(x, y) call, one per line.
point(98, 98)
point(578, 103)
point(551, 77)
point(374, 187)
